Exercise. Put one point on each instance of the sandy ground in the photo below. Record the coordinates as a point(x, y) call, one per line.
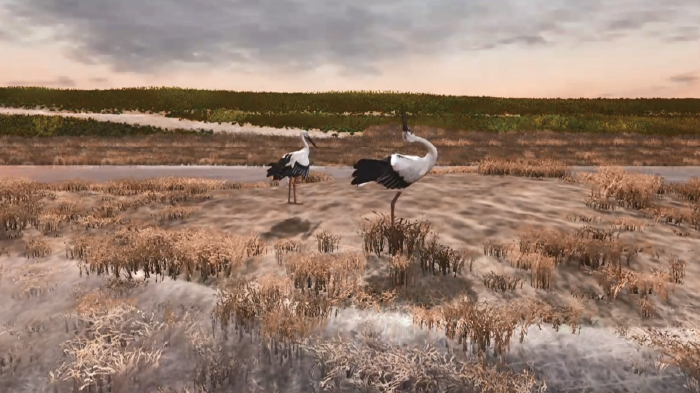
point(169, 123)
point(246, 173)
point(466, 209)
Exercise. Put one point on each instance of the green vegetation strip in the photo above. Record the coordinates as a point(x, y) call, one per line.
point(45, 126)
point(183, 100)
point(356, 111)
point(49, 126)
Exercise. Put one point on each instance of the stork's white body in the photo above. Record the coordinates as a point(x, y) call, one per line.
point(412, 168)
point(300, 157)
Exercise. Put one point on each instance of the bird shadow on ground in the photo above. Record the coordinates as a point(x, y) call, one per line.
point(291, 227)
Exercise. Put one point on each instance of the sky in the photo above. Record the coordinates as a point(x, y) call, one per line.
point(506, 48)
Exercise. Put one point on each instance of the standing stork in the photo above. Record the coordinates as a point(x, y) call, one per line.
point(397, 171)
point(292, 165)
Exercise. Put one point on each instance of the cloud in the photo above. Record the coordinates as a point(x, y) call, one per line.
point(98, 80)
point(689, 78)
point(685, 34)
point(355, 36)
point(61, 81)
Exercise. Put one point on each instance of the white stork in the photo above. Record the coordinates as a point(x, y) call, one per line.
point(397, 171)
point(292, 165)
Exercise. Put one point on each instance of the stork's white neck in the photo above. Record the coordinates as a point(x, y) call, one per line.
point(432, 155)
point(303, 140)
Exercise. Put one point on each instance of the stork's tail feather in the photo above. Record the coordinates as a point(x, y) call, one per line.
point(274, 171)
point(368, 170)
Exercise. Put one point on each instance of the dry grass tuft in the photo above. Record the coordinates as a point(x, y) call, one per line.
point(254, 246)
point(541, 267)
point(161, 252)
point(401, 271)
point(317, 177)
point(435, 258)
point(478, 325)
point(496, 249)
point(175, 213)
point(670, 215)
point(676, 269)
point(614, 280)
point(545, 168)
point(403, 237)
point(334, 274)
point(626, 224)
point(675, 349)
point(327, 242)
point(589, 219)
point(689, 191)
point(585, 248)
point(542, 273)
point(284, 317)
point(646, 306)
point(501, 282)
point(454, 169)
point(368, 364)
point(286, 246)
point(630, 190)
point(51, 223)
point(37, 247)
point(36, 280)
point(112, 337)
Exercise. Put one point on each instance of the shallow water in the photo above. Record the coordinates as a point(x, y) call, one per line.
point(241, 173)
point(169, 123)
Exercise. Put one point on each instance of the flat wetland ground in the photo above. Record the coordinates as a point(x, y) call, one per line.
point(196, 283)
point(613, 272)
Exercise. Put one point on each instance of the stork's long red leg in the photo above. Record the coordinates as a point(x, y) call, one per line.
point(393, 204)
point(289, 194)
point(295, 191)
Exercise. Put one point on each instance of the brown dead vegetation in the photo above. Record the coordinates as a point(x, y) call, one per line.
point(334, 274)
point(161, 252)
point(175, 213)
point(112, 337)
point(415, 241)
point(601, 253)
point(682, 351)
point(501, 282)
point(676, 267)
point(573, 148)
point(25, 203)
point(37, 247)
point(526, 168)
point(287, 309)
point(369, 363)
point(613, 187)
point(629, 190)
point(286, 246)
point(327, 242)
point(496, 249)
point(402, 237)
point(479, 326)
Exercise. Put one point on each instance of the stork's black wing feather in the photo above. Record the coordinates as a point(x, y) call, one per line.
point(282, 169)
point(380, 171)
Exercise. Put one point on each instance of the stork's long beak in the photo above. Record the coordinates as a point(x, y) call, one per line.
point(308, 138)
point(403, 120)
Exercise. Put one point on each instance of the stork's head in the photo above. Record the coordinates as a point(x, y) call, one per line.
point(306, 136)
point(407, 134)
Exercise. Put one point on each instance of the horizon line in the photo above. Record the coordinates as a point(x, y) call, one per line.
point(339, 92)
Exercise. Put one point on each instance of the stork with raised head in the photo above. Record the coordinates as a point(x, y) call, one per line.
point(292, 166)
point(397, 171)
